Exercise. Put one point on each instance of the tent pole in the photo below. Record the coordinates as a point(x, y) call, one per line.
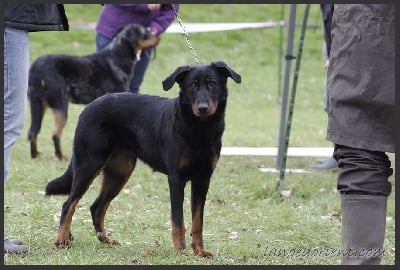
point(282, 25)
point(289, 57)
point(292, 99)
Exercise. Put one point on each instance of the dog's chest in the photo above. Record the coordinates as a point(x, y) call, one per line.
point(198, 163)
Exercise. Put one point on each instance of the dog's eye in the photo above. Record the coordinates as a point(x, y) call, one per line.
point(210, 83)
point(194, 84)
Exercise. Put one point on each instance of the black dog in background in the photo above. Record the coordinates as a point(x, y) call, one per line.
point(56, 80)
point(179, 137)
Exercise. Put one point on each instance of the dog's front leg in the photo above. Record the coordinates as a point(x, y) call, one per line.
point(199, 193)
point(176, 190)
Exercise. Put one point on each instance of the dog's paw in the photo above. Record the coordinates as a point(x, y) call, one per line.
point(35, 154)
point(104, 239)
point(198, 251)
point(62, 243)
point(112, 242)
point(182, 251)
point(179, 244)
point(61, 156)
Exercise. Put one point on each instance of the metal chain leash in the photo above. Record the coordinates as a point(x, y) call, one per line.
point(186, 37)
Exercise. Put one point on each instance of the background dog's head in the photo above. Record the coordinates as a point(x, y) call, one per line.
point(135, 36)
point(202, 86)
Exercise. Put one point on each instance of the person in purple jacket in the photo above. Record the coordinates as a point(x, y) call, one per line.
point(156, 17)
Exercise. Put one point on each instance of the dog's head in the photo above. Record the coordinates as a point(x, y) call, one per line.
point(202, 86)
point(136, 36)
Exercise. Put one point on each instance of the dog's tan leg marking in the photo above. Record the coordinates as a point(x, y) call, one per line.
point(122, 167)
point(184, 162)
point(178, 237)
point(34, 152)
point(102, 234)
point(64, 237)
point(60, 121)
point(197, 232)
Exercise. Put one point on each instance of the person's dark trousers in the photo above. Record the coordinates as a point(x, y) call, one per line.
point(140, 67)
point(364, 187)
point(140, 70)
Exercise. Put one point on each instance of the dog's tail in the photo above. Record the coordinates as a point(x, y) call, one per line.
point(61, 185)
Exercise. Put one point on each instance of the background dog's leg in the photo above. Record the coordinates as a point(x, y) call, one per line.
point(176, 190)
point(115, 174)
point(199, 192)
point(34, 152)
point(60, 120)
point(38, 108)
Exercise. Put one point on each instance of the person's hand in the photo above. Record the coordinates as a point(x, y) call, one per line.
point(152, 7)
point(326, 65)
point(152, 31)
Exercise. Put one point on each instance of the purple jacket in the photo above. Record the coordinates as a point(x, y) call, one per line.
point(115, 16)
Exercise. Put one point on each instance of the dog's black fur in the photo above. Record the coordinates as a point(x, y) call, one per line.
point(55, 80)
point(179, 137)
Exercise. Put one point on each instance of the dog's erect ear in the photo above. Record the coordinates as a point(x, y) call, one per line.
point(227, 71)
point(175, 77)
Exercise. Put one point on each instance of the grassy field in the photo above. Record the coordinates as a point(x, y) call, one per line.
point(247, 222)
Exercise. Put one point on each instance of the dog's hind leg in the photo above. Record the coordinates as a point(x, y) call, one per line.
point(64, 237)
point(83, 175)
point(60, 117)
point(115, 174)
point(38, 108)
point(198, 198)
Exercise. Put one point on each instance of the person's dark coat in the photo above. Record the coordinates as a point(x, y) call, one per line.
point(35, 17)
point(361, 77)
point(327, 13)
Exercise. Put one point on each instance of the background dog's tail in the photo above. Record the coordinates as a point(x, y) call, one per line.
point(61, 185)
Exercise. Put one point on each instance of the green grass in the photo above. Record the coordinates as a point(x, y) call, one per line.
point(246, 221)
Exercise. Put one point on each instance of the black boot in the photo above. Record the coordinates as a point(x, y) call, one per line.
point(363, 228)
point(327, 164)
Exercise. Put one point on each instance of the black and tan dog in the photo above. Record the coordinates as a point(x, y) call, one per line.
point(179, 137)
point(56, 80)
